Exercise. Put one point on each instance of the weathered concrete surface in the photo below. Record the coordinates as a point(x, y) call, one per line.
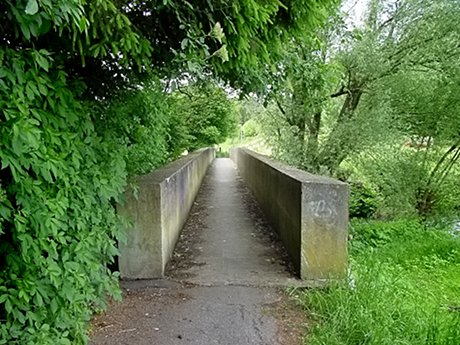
point(224, 284)
point(165, 197)
point(324, 230)
point(309, 212)
point(234, 249)
point(193, 316)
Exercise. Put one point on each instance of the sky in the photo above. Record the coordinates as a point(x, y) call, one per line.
point(356, 9)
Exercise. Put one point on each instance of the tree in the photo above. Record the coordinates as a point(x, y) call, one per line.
point(207, 113)
point(398, 37)
point(142, 126)
point(231, 39)
point(425, 109)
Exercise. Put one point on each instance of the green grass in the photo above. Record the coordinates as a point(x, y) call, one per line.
point(405, 290)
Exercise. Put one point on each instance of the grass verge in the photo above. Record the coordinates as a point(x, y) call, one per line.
point(404, 289)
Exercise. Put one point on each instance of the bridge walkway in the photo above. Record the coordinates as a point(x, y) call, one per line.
point(224, 284)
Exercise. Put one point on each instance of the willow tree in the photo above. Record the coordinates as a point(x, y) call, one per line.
point(323, 85)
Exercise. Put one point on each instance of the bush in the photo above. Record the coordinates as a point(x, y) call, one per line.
point(59, 180)
point(363, 201)
point(250, 128)
point(206, 112)
point(140, 126)
point(404, 181)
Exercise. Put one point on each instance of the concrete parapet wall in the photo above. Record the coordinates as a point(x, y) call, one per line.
point(309, 212)
point(158, 214)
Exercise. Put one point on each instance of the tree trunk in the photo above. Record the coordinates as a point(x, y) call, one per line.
point(339, 142)
point(312, 149)
point(427, 196)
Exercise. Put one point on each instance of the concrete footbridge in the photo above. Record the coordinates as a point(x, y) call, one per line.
point(309, 213)
point(213, 242)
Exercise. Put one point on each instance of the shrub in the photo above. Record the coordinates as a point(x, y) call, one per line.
point(59, 180)
point(140, 126)
point(363, 203)
point(250, 128)
point(206, 112)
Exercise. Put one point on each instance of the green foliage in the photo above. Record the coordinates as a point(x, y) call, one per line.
point(141, 126)
point(232, 39)
point(59, 179)
point(246, 34)
point(402, 173)
point(77, 118)
point(250, 128)
point(404, 289)
point(406, 242)
point(425, 111)
point(324, 90)
point(383, 100)
point(250, 108)
point(280, 137)
point(206, 112)
point(363, 203)
point(371, 234)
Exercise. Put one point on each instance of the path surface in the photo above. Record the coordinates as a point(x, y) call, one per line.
point(223, 285)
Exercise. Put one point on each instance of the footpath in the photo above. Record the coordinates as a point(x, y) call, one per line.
point(226, 283)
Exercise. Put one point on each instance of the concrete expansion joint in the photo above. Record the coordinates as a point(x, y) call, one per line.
point(186, 284)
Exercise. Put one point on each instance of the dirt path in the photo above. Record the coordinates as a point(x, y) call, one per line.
point(223, 286)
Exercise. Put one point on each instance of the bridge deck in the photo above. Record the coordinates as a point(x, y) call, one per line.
point(223, 284)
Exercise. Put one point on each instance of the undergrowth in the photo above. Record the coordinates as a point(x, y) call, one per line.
point(403, 288)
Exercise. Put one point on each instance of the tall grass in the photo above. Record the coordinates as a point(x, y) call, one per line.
point(405, 289)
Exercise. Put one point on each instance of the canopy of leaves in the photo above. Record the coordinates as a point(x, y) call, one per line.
point(244, 34)
point(233, 39)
